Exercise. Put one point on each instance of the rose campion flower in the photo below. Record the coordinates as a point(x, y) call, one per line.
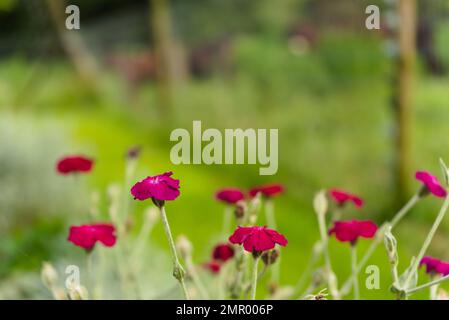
point(432, 184)
point(350, 231)
point(257, 239)
point(435, 266)
point(212, 266)
point(161, 187)
point(229, 195)
point(267, 190)
point(86, 236)
point(74, 164)
point(223, 252)
point(341, 197)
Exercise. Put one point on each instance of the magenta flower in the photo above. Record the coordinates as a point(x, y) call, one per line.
point(267, 190)
point(229, 195)
point(86, 236)
point(223, 252)
point(435, 266)
point(350, 231)
point(74, 164)
point(257, 239)
point(341, 197)
point(432, 184)
point(160, 188)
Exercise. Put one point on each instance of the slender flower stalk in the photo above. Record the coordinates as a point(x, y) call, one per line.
point(271, 221)
point(90, 276)
point(332, 283)
point(355, 282)
point(178, 271)
point(379, 236)
point(254, 278)
point(428, 240)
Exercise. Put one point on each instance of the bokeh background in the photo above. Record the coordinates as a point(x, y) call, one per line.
point(138, 69)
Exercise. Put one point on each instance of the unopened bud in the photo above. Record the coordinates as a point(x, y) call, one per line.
point(270, 257)
point(184, 246)
point(240, 209)
point(391, 246)
point(320, 203)
point(49, 275)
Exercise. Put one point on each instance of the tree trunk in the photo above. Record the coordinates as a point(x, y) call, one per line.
point(73, 45)
point(164, 50)
point(402, 96)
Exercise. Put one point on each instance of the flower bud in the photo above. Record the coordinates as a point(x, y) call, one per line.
point(320, 203)
point(184, 246)
point(391, 246)
point(270, 257)
point(133, 152)
point(49, 275)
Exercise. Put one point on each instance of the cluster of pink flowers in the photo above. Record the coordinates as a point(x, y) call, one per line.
point(254, 239)
point(234, 195)
point(86, 235)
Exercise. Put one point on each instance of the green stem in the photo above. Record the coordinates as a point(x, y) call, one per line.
point(178, 271)
point(379, 236)
point(254, 279)
point(355, 282)
point(90, 276)
point(324, 240)
point(271, 221)
point(428, 240)
point(427, 285)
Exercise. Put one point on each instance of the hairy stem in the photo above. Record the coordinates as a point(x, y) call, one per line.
point(427, 285)
point(355, 281)
point(178, 271)
point(254, 279)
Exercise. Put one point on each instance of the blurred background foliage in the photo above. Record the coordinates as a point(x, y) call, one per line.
point(309, 68)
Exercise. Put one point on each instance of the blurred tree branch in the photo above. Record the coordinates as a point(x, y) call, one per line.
point(73, 44)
